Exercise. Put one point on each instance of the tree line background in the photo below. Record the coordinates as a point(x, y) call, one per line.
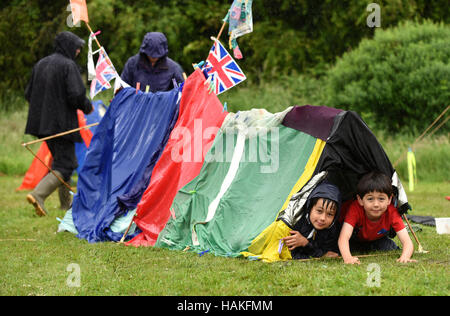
point(290, 38)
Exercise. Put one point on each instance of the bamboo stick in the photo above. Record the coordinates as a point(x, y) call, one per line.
point(95, 38)
point(50, 169)
point(420, 249)
point(339, 257)
point(423, 135)
point(126, 232)
point(59, 135)
point(221, 30)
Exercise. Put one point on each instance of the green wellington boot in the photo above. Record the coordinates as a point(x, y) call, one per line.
point(65, 198)
point(45, 187)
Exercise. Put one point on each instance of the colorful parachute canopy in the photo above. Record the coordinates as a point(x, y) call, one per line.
point(248, 174)
point(123, 152)
point(201, 115)
point(237, 207)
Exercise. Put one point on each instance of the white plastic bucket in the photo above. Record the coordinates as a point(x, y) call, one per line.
point(442, 225)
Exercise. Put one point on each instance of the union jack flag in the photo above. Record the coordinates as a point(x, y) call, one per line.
point(221, 68)
point(104, 73)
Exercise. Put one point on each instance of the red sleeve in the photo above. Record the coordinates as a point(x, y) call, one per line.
point(353, 215)
point(396, 219)
point(344, 209)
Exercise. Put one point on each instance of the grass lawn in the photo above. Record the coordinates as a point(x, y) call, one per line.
point(38, 261)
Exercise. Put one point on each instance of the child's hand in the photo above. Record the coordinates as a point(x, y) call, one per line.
point(295, 240)
point(405, 260)
point(408, 247)
point(352, 260)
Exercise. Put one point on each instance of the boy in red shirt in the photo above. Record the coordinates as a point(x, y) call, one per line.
point(368, 220)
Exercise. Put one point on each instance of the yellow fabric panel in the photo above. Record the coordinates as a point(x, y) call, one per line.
point(307, 173)
point(266, 245)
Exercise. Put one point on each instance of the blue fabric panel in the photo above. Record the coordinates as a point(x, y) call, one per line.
point(125, 147)
point(94, 117)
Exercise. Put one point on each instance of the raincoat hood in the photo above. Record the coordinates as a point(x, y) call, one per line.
point(328, 191)
point(66, 43)
point(154, 45)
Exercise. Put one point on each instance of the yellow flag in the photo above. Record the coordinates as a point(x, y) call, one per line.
point(411, 169)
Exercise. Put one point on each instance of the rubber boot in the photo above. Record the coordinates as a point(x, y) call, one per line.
point(65, 198)
point(45, 187)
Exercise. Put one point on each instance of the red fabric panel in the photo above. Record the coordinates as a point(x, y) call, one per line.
point(86, 133)
point(200, 113)
point(37, 170)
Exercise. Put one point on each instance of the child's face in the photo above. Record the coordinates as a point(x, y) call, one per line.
point(322, 215)
point(374, 204)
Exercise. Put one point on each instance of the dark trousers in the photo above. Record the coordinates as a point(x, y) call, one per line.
point(64, 158)
point(382, 244)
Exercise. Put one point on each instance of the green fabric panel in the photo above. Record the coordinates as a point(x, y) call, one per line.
point(250, 204)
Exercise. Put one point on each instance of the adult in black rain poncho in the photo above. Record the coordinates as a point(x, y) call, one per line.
point(55, 92)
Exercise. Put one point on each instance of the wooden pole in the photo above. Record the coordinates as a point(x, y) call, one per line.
point(51, 137)
point(437, 119)
point(99, 46)
point(221, 30)
point(223, 25)
point(126, 232)
point(95, 38)
point(218, 35)
point(59, 135)
point(339, 257)
point(439, 126)
point(50, 169)
point(423, 135)
point(420, 249)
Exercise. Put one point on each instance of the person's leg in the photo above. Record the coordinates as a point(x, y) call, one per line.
point(299, 254)
point(65, 162)
point(40, 193)
point(384, 244)
point(357, 247)
point(64, 158)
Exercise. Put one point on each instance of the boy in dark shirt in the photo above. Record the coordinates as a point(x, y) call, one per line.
point(317, 232)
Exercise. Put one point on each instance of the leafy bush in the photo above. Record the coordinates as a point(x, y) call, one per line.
point(399, 80)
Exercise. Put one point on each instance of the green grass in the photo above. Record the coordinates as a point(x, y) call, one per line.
point(14, 159)
point(35, 260)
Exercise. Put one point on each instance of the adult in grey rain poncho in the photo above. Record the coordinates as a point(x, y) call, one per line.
point(151, 66)
point(55, 92)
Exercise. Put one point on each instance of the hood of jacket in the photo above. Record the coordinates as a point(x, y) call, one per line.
point(154, 45)
point(66, 43)
point(329, 191)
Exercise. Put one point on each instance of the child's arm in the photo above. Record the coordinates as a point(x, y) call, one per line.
point(295, 240)
point(343, 243)
point(408, 247)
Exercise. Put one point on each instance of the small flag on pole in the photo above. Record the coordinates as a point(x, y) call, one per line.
point(104, 73)
point(240, 20)
point(411, 169)
point(221, 68)
point(79, 11)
